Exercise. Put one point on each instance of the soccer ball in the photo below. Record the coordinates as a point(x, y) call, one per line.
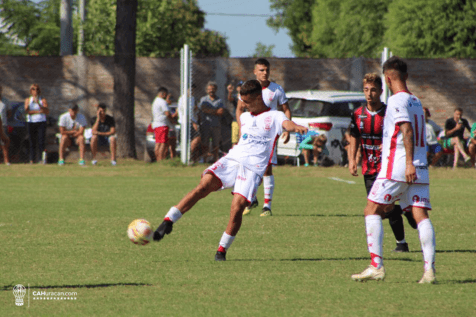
point(140, 231)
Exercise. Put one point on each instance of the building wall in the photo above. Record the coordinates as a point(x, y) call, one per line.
point(441, 84)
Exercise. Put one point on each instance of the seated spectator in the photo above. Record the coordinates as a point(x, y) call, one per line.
point(433, 147)
point(4, 112)
point(314, 142)
point(454, 131)
point(72, 125)
point(104, 129)
point(472, 145)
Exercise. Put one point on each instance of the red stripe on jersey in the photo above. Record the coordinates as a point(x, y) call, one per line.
point(272, 151)
point(393, 148)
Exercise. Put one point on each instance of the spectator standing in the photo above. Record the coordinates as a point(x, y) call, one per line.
point(233, 100)
point(454, 130)
point(104, 130)
point(160, 118)
point(72, 125)
point(36, 109)
point(4, 113)
point(211, 108)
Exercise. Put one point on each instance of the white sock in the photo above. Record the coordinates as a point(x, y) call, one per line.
point(174, 214)
point(428, 244)
point(374, 228)
point(226, 240)
point(401, 241)
point(268, 182)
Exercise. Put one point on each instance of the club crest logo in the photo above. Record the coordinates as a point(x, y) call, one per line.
point(19, 292)
point(387, 197)
point(416, 199)
point(267, 123)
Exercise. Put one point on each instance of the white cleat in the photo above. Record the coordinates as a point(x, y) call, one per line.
point(428, 277)
point(370, 273)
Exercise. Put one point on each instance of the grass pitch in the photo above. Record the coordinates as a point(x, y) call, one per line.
point(63, 230)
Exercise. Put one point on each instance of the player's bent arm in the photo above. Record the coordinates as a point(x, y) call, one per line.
point(292, 127)
point(407, 134)
point(63, 131)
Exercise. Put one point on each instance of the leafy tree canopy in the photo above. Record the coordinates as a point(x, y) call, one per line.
point(262, 50)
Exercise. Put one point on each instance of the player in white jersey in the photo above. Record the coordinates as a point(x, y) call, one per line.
point(242, 168)
point(403, 176)
point(274, 98)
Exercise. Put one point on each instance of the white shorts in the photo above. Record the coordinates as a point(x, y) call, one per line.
point(232, 174)
point(386, 192)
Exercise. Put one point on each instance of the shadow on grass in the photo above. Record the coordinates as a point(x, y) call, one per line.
point(10, 287)
point(317, 215)
point(455, 251)
point(467, 281)
point(323, 259)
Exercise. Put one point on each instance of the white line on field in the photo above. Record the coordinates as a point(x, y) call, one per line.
point(341, 180)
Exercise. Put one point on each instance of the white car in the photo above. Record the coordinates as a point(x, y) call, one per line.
point(326, 112)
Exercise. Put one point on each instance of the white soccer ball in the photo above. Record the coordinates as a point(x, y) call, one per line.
point(140, 232)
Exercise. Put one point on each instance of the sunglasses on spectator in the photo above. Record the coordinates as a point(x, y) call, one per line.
point(33, 89)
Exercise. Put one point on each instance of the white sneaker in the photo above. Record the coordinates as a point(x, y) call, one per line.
point(428, 277)
point(370, 273)
point(113, 163)
point(94, 162)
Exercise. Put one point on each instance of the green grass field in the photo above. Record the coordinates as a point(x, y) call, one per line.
point(63, 229)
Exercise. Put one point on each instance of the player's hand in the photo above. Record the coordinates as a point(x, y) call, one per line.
point(220, 111)
point(353, 168)
point(285, 136)
point(410, 174)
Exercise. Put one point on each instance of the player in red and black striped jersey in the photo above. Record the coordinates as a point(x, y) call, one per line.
point(366, 130)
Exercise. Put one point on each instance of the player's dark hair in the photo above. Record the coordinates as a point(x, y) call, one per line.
point(459, 109)
point(251, 87)
point(397, 64)
point(262, 61)
point(373, 78)
point(162, 90)
point(102, 106)
point(74, 107)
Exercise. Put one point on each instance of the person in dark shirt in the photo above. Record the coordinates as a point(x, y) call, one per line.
point(454, 132)
point(104, 129)
point(366, 129)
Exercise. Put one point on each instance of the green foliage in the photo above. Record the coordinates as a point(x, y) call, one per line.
point(295, 16)
point(99, 27)
point(262, 50)
point(432, 28)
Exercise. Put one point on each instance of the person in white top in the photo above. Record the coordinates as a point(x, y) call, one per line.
point(403, 176)
point(432, 130)
point(36, 109)
point(160, 119)
point(274, 98)
point(241, 169)
point(71, 125)
point(4, 113)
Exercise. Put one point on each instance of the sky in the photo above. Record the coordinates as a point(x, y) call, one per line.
point(243, 32)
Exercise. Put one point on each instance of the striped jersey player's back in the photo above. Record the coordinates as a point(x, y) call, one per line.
point(368, 126)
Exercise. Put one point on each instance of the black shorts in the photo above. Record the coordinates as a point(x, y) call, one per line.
point(369, 182)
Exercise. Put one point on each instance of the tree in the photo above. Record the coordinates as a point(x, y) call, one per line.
point(432, 28)
point(124, 76)
point(262, 50)
point(296, 17)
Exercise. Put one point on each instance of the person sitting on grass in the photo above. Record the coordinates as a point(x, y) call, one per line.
point(314, 142)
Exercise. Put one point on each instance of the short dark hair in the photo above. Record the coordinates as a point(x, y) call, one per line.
point(262, 61)
point(251, 87)
point(395, 63)
point(74, 107)
point(373, 78)
point(102, 106)
point(162, 89)
point(459, 109)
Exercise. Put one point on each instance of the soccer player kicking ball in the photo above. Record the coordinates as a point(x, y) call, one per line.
point(403, 176)
point(366, 129)
point(242, 168)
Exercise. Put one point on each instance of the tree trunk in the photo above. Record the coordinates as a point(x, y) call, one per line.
point(124, 77)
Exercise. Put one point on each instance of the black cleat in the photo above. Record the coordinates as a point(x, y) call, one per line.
point(164, 228)
point(401, 247)
point(411, 220)
point(220, 256)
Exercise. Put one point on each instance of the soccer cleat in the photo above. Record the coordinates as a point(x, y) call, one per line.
point(370, 273)
point(306, 165)
point(428, 277)
point(266, 212)
point(113, 163)
point(94, 162)
point(82, 162)
point(61, 162)
point(401, 247)
point(253, 204)
point(220, 256)
point(411, 220)
point(164, 228)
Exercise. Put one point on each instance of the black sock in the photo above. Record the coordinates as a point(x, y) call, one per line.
point(396, 222)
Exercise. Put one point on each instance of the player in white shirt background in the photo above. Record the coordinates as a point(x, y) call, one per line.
point(241, 169)
point(404, 174)
point(274, 98)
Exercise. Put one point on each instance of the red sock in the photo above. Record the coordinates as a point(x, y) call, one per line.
point(221, 249)
point(376, 261)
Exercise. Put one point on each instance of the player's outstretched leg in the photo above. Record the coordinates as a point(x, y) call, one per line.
point(208, 184)
point(254, 204)
point(234, 224)
point(268, 186)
